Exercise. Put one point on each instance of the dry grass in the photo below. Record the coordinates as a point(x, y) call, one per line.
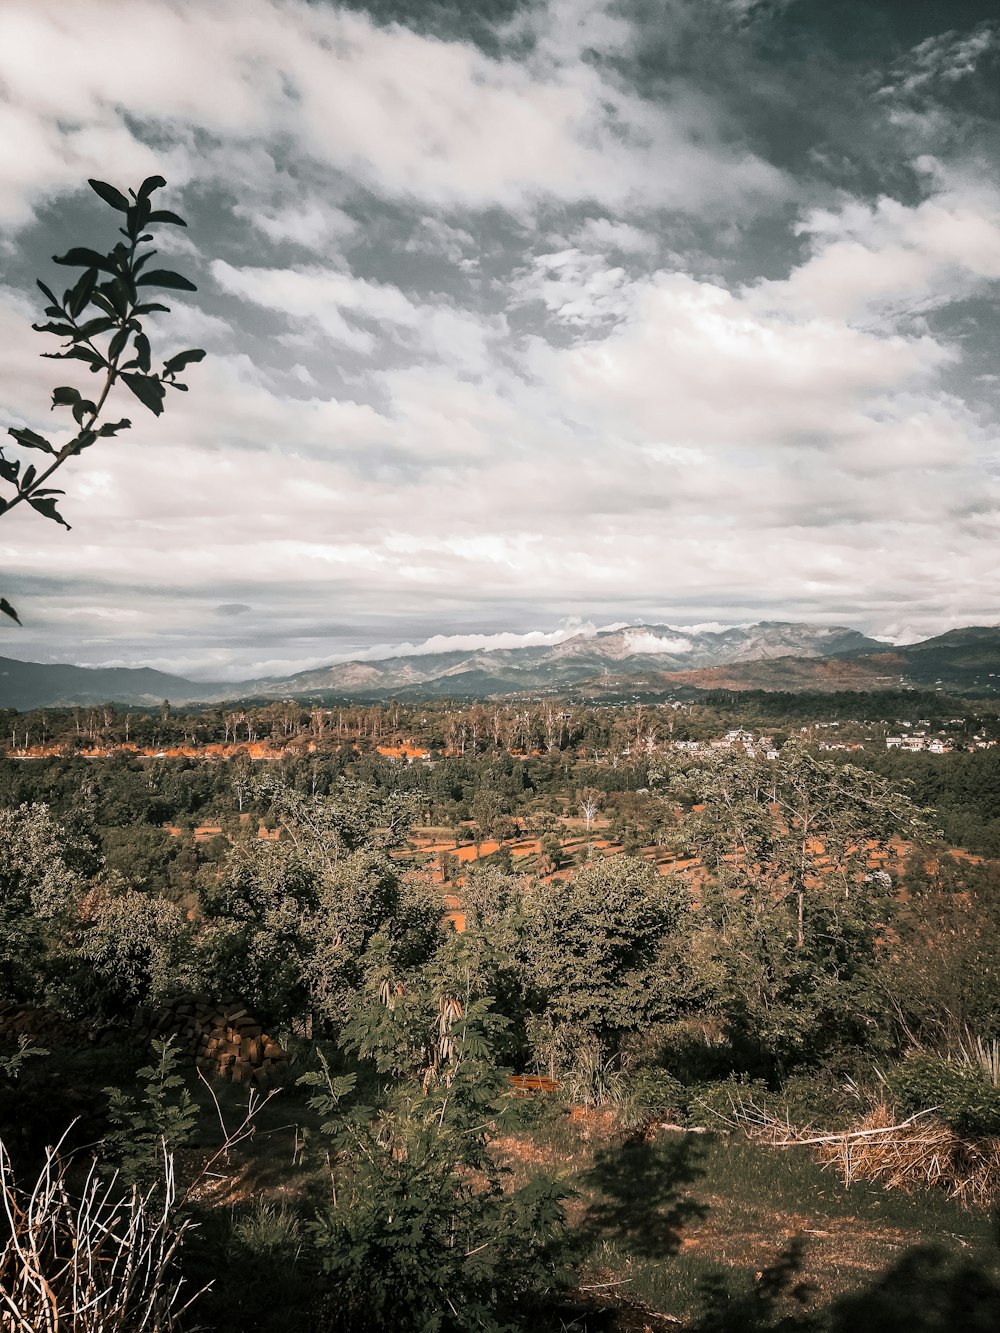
point(911, 1154)
point(95, 1259)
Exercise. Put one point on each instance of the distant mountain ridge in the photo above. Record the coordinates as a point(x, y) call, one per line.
point(26, 685)
point(768, 655)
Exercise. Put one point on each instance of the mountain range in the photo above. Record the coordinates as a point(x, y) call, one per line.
point(637, 659)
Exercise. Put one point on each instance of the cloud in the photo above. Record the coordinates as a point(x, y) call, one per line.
point(402, 114)
point(342, 305)
point(313, 223)
point(945, 58)
point(578, 289)
point(644, 642)
point(889, 259)
point(502, 333)
point(472, 643)
point(704, 366)
point(605, 234)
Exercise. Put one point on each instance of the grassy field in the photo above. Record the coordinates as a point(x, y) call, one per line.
point(661, 1217)
point(668, 1214)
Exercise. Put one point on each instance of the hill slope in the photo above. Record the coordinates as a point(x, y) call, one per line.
point(26, 685)
point(770, 655)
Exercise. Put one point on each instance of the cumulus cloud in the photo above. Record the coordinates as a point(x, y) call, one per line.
point(408, 115)
point(461, 375)
point(605, 234)
point(342, 305)
point(891, 258)
point(472, 643)
point(641, 641)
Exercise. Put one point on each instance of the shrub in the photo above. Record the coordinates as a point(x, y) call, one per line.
point(961, 1094)
point(652, 1094)
point(160, 1122)
point(816, 1097)
point(712, 1104)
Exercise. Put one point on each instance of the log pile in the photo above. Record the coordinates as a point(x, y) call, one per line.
point(40, 1027)
point(223, 1037)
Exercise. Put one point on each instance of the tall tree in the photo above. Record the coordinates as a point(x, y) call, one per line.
point(799, 855)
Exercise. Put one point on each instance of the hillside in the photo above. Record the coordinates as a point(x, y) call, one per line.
point(637, 659)
point(25, 685)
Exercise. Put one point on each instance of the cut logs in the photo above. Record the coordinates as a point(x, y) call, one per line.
point(38, 1026)
point(223, 1038)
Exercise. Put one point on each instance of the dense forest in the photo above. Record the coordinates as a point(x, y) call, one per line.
point(457, 1128)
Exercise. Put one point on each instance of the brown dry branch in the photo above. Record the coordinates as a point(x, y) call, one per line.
point(93, 1259)
point(232, 1138)
point(909, 1154)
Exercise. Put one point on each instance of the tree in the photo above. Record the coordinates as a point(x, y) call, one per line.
point(99, 321)
point(590, 802)
point(361, 897)
point(800, 829)
point(136, 945)
point(594, 945)
point(798, 894)
point(44, 867)
point(419, 1233)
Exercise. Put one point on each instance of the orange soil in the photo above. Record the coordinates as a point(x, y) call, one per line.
point(404, 750)
point(255, 750)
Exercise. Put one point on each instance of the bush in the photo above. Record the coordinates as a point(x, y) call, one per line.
point(960, 1094)
point(711, 1104)
point(653, 1094)
point(158, 1123)
point(815, 1097)
point(258, 1264)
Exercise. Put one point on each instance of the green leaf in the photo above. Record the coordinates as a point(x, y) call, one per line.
point(78, 354)
point(116, 295)
point(82, 292)
point(110, 427)
point(165, 215)
point(148, 390)
point(118, 343)
point(65, 396)
point(165, 277)
point(63, 330)
point(9, 470)
point(102, 303)
point(150, 307)
point(150, 184)
point(29, 440)
point(82, 409)
point(94, 326)
point(182, 359)
point(46, 506)
point(85, 258)
point(110, 195)
point(8, 610)
point(142, 352)
point(47, 291)
point(83, 441)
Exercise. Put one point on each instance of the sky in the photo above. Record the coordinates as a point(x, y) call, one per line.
point(519, 317)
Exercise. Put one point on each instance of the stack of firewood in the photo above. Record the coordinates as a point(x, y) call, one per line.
point(40, 1027)
point(222, 1036)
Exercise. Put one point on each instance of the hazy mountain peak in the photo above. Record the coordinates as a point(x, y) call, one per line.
point(770, 654)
